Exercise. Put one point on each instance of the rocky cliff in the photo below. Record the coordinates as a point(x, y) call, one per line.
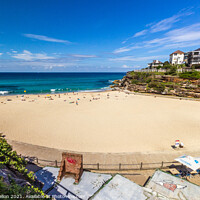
point(161, 84)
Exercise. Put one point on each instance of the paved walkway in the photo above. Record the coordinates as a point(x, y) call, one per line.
point(47, 157)
point(51, 154)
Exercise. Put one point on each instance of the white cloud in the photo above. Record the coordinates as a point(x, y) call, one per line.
point(126, 67)
point(28, 56)
point(1, 54)
point(167, 23)
point(132, 58)
point(184, 37)
point(44, 61)
point(45, 38)
point(47, 64)
point(130, 67)
point(126, 49)
point(140, 33)
point(188, 33)
point(188, 36)
point(121, 50)
point(162, 25)
point(48, 67)
point(40, 64)
point(83, 56)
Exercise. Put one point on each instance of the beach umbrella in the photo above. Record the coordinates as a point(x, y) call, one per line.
point(189, 161)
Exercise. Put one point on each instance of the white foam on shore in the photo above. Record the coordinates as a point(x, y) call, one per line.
point(105, 88)
point(88, 90)
point(3, 92)
point(98, 90)
point(52, 90)
point(111, 81)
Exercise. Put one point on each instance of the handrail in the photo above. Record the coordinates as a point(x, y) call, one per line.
point(110, 166)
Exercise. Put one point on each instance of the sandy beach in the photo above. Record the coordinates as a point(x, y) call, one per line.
point(109, 121)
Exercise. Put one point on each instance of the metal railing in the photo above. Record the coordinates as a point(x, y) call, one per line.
point(180, 70)
point(111, 167)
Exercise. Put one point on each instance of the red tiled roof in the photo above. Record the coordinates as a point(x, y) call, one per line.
point(154, 61)
point(178, 51)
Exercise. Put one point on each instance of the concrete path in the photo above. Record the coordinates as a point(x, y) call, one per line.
point(51, 154)
point(47, 157)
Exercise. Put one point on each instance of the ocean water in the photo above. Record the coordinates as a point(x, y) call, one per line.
point(38, 83)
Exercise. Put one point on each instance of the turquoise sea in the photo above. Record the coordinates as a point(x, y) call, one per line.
point(36, 83)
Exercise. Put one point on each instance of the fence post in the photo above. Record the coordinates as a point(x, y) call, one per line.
point(97, 166)
point(120, 166)
point(37, 160)
point(162, 165)
point(56, 164)
point(141, 165)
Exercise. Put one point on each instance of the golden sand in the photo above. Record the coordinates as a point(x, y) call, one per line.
point(108, 123)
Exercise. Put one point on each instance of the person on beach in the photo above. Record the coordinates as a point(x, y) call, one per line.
point(77, 103)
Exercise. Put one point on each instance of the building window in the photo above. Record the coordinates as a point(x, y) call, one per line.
point(196, 53)
point(175, 54)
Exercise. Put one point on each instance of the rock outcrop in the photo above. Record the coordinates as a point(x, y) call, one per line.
point(8, 176)
point(159, 84)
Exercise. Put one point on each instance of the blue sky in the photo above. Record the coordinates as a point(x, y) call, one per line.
point(94, 35)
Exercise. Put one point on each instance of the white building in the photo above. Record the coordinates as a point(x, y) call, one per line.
point(177, 57)
point(194, 57)
point(155, 64)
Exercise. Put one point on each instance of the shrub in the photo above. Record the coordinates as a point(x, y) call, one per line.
point(134, 81)
point(167, 66)
point(196, 66)
point(19, 192)
point(141, 75)
point(171, 85)
point(148, 80)
point(194, 75)
point(166, 63)
point(158, 67)
point(172, 71)
point(159, 87)
point(10, 158)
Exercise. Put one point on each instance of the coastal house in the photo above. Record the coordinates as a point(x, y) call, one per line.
point(177, 57)
point(194, 57)
point(155, 64)
point(186, 58)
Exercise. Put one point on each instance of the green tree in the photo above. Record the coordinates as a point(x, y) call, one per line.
point(167, 67)
point(172, 70)
point(166, 63)
point(194, 75)
point(158, 67)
